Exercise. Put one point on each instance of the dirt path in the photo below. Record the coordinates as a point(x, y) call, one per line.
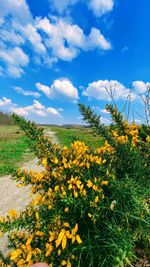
point(12, 197)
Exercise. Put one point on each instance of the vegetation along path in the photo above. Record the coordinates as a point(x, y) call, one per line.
point(12, 197)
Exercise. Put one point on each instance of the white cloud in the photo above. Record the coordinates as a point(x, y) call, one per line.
point(140, 86)
point(97, 40)
point(20, 111)
point(44, 89)
point(66, 40)
point(14, 59)
point(18, 9)
point(60, 89)
point(38, 105)
point(47, 40)
point(29, 32)
point(26, 92)
point(53, 111)
point(9, 35)
point(98, 90)
point(100, 7)
point(35, 109)
point(5, 101)
point(62, 5)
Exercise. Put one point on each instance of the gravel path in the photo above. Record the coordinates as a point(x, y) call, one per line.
point(12, 197)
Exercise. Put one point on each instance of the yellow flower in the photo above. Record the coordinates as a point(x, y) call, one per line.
point(63, 263)
point(12, 213)
point(55, 160)
point(89, 184)
point(66, 209)
point(104, 182)
point(29, 256)
point(60, 237)
point(89, 215)
point(64, 242)
point(96, 199)
point(148, 138)
point(15, 254)
point(68, 264)
point(37, 215)
point(44, 162)
point(78, 239)
point(56, 188)
point(49, 250)
point(29, 240)
point(59, 252)
point(75, 229)
point(73, 257)
point(39, 233)
point(66, 224)
point(75, 194)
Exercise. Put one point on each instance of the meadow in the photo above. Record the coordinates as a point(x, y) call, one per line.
point(14, 149)
point(67, 135)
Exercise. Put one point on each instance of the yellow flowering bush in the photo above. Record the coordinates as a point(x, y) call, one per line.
point(87, 207)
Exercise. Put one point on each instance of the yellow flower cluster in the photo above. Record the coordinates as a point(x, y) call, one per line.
point(73, 182)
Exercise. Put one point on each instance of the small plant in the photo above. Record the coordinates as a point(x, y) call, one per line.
point(89, 206)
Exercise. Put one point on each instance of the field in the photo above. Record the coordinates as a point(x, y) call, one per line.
point(13, 149)
point(68, 135)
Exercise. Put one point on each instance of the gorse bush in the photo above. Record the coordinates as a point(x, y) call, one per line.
point(89, 206)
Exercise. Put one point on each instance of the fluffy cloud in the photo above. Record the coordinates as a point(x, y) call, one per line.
point(60, 89)
point(47, 40)
point(98, 90)
point(36, 108)
point(18, 9)
point(140, 86)
point(21, 91)
point(10, 36)
point(29, 33)
point(60, 32)
point(100, 7)
point(15, 59)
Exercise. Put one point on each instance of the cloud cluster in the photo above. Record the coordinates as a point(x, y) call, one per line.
point(65, 40)
point(43, 40)
point(15, 59)
point(100, 90)
point(98, 7)
point(36, 108)
point(140, 86)
point(61, 89)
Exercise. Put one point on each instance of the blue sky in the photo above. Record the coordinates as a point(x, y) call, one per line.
point(56, 53)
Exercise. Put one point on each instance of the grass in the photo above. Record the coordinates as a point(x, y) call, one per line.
point(67, 136)
point(13, 149)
